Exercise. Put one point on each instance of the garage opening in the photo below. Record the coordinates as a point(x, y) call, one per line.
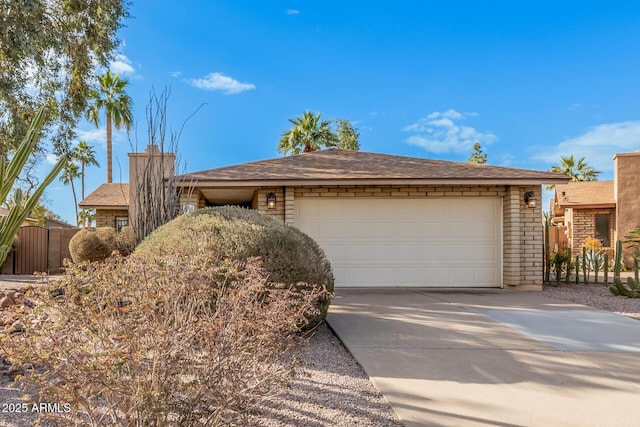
point(393, 242)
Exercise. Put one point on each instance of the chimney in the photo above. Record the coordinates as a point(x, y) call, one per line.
point(626, 169)
point(162, 164)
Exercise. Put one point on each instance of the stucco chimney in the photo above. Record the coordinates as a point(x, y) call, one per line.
point(163, 165)
point(626, 169)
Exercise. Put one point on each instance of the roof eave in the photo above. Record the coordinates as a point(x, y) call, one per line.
point(589, 206)
point(370, 181)
point(105, 207)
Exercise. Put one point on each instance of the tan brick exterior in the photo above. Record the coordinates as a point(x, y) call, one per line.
point(193, 198)
point(522, 226)
point(259, 201)
point(107, 217)
point(583, 225)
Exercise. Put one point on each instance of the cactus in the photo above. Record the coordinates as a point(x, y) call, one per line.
point(9, 172)
point(547, 251)
point(577, 269)
point(567, 277)
point(632, 290)
point(635, 269)
point(595, 259)
point(606, 268)
point(617, 265)
point(584, 265)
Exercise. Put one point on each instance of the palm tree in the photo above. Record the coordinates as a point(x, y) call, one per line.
point(308, 133)
point(86, 155)
point(578, 171)
point(111, 98)
point(69, 173)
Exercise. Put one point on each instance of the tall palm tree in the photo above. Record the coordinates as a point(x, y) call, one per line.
point(111, 97)
point(69, 173)
point(309, 133)
point(86, 155)
point(578, 171)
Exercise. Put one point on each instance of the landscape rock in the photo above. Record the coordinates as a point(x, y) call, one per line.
point(6, 301)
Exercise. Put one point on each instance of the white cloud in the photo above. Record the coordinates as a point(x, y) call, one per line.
point(597, 145)
point(440, 133)
point(292, 12)
point(121, 65)
point(175, 73)
point(51, 159)
point(220, 82)
point(98, 136)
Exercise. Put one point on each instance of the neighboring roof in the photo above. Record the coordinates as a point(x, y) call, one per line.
point(5, 212)
point(357, 167)
point(585, 194)
point(108, 196)
point(57, 223)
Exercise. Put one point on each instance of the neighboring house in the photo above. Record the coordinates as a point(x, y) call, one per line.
point(57, 223)
point(604, 210)
point(111, 202)
point(393, 221)
point(29, 221)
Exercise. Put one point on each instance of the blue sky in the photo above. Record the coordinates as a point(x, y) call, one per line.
point(530, 81)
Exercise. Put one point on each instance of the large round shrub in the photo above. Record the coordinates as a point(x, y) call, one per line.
point(92, 244)
point(232, 233)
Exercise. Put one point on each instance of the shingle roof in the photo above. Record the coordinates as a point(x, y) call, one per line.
point(586, 193)
point(343, 165)
point(114, 195)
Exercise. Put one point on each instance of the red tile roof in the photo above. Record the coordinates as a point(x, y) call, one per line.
point(334, 165)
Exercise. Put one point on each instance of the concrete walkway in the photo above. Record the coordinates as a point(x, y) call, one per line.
point(492, 357)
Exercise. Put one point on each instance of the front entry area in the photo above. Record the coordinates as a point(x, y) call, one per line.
point(403, 242)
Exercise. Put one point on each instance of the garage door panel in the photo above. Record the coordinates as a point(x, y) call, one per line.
point(444, 242)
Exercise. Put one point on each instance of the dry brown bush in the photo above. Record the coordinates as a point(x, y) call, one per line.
point(229, 232)
point(165, 342)
point(92, 244)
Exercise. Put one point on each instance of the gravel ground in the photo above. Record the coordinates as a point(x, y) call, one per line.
point(596, 296)
point(336, 390)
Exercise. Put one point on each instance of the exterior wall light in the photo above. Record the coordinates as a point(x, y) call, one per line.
point(271, 201)
point(530, 199)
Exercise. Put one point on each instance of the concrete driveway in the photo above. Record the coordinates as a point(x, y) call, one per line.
point(492, 357)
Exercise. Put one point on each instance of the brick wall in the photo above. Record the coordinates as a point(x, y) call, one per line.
point(107, 217)
point(583, 225)
point(259, 202)
point(531, 241)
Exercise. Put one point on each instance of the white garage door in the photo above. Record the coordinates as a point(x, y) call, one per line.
point(441, 242)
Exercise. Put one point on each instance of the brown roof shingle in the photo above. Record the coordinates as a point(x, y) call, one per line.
point(113, 195)
point(586, 193)
point(343, 165)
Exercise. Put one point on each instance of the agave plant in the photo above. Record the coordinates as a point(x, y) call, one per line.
point(9, 172)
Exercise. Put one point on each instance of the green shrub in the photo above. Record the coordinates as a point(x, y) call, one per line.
point(159, 342)
point(92, 244)
point(289, 256)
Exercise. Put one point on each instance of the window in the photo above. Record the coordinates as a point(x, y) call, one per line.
point(121, 222)
point(603, 229)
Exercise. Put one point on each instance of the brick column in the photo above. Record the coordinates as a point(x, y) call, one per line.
point(511, 237)
point(289, 206)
